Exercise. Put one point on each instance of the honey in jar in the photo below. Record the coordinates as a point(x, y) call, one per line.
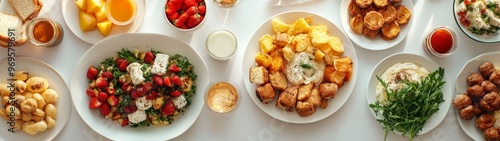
point(44, 32)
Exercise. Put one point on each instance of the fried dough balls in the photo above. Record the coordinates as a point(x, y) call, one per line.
point(489, 87)
point(485, 121)
point(461, 101)
point(486, 69)
point(475, 79)
point(490, 102)
point(495, 78)
point(475, 91)
point(491, 134)
point(467, 113)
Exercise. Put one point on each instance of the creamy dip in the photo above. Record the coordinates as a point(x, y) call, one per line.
point(482, 16)
point(395, 75)
point(302, 69)
point(222, 97)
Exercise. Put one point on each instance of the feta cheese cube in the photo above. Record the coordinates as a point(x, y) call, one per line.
point(136, 74)
point(160, 64)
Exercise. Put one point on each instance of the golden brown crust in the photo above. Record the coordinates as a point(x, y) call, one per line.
point(403, 14)
point(364, 3)
point(353, 9)
point(356, 24)
point(396, 1)
point(369, 9)
point(328, 90)
point(381, 3)
point(390, 30)
point(278, 80)
point(305, 108)
point(373, 20)
point(287, 99)
point(265, 93)
point(389, 13)
point(370, 33)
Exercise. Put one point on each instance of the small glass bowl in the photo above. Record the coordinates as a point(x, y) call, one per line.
point(226, 3)
point(217, 91)
point(35, 31)
point(428, 46)
point(221, 44)
point(188, 30)
point(114, 21)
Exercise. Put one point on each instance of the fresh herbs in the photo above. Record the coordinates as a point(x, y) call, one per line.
point(407, 109)
point(306, 66)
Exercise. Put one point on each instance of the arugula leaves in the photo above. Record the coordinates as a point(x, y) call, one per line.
point(409, 108)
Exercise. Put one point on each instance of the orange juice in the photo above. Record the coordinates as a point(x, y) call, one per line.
point(120, 12)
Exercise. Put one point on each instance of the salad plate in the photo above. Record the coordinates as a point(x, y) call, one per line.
point(469, 126)
point(343, 93)
point(143, 42)
point(376, 43)
point(419, 60)
point(70, 14)
point(493, 38)
point(39, 68)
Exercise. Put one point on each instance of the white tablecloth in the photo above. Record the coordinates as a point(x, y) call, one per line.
point(352, 122)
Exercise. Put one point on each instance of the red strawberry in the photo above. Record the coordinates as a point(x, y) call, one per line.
point(101, 82)
point(168, 108)
point(190, 3)
point(193, 20)
point(111, 90)
point(199, 1)
point(108, 75)
point(112, 100)
point(174, 68)
point(176, 80)
point(202, 9)
point(191, 10)
point(173, 17)
point(129, 109)
point(105, 109)
point(126, 87)
point(102, 96)
point(147, 86)
point(91, 92)
point(92, 72)
point(176, 93)
point(94, 103)
point(151, 95)
point(166, 82)
point(148, 57)
point(123, 65)
point(183, 18)
point(176, 2)
point(158, 80)
point(178, 24)
point(124, 122)
point(170, 8)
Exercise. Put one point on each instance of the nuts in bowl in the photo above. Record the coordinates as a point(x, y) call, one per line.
point(185, 15)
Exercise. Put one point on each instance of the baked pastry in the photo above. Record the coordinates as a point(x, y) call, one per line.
point(403, 14)
point(265, 93)
point(390, 30)
point(287, 99)
point(373, 20)
point(356, 24)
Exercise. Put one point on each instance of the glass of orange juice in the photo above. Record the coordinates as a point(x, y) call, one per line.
point(121, 12)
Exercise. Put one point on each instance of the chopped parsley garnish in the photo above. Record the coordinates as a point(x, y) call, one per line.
point(306, 66)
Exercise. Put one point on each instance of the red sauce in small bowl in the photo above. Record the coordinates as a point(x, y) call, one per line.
point(441, 41)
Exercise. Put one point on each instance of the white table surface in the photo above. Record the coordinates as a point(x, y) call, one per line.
point(351, 122)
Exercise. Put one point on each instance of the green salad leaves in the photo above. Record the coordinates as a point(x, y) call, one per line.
point(407, 109)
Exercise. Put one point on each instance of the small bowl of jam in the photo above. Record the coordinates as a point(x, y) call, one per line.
point(44, 32)
point(222, 97)
point(441, 42)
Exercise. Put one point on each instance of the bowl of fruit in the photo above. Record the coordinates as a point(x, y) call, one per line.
point(185, 15)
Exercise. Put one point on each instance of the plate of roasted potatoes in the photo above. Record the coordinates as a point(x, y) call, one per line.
point(476, 101)
point(300, 67)
point(376, 24)
point(35, 100)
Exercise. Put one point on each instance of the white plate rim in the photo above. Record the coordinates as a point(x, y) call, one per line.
point(63, 112)
point(94, 36)
point(377, 43)
point(385, 63)
point(139, 39)
point(291, 117)
point(468, 33)
point(460, 81)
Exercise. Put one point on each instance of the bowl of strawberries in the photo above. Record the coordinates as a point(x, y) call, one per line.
point(185, 15)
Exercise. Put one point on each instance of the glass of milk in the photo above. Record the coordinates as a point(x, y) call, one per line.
point(221, 44)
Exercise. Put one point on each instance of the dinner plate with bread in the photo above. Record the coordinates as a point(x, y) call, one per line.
point(15, 15)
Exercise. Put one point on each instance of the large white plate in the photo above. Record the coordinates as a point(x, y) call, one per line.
point(376, 43)
point(292, 117)
point(469, 126)
point(419, 60)
point(36, 67)
point(491, 39)
point(144, 42)
point(70, 14)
